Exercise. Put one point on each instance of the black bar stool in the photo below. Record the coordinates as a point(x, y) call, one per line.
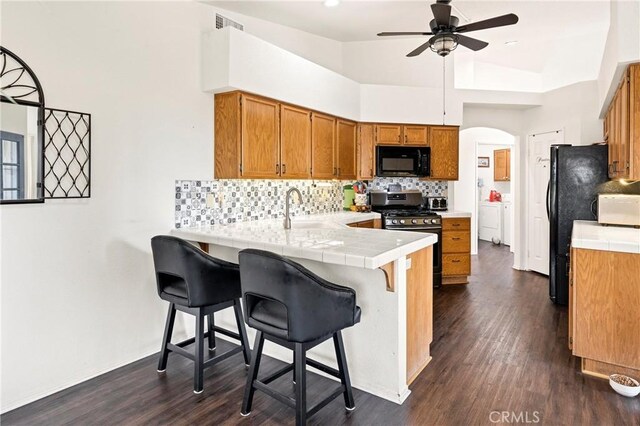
point(200, 285)
point(291, 306)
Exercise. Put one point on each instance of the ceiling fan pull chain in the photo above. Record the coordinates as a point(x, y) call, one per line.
point(444, 92)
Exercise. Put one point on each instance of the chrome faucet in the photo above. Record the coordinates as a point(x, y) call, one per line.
point(287, 219)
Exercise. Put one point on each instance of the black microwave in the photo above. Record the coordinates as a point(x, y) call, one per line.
point(399, 161)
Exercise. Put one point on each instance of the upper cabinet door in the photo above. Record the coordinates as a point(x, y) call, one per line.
point(443, 141)
point(388, 134)
point(500, 167)
point(346, 154)
point(295, 142)
point(415, 135)
point(260, 138)
point(323, 138)
point(366, 156)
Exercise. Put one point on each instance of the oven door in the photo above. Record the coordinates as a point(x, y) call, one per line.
point(437, 252)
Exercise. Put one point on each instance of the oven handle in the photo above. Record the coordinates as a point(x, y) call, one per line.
point(414, 229)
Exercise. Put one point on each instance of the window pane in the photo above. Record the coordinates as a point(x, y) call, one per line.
point(9, 151)
point(10, 194)
point(9, 176)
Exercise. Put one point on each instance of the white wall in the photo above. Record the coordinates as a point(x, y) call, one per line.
point(78, 294)
point(622, 47)
point(321, 50)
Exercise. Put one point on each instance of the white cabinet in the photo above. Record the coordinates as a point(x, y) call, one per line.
point(506, 224)
point(490, 221)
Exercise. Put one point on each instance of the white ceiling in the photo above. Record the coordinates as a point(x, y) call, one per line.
point(355, 20)
point(559, 42)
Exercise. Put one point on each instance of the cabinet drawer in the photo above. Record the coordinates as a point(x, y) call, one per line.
point(456, 242)
point(456, 224)
point(456, 264)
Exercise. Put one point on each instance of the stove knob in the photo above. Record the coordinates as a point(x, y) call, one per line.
point(425, 220)
point(414, 221)
point(434, 221)
point(394, 221)
point(402, 221)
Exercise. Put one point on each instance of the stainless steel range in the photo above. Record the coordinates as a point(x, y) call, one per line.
point(402, 210)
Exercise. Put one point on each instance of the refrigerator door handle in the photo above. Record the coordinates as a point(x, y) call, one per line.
point(548, 187)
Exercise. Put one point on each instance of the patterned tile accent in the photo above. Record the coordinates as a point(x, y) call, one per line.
point(428, 188)
point(238, 200)
point(241, 200)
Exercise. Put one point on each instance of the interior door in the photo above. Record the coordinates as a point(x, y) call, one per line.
point(323, 137)
point(538, 220)
point(295, 142)
point(346, 155)
point(260, 138)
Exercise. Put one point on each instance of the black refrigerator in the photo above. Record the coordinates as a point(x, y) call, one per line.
point(576, 173)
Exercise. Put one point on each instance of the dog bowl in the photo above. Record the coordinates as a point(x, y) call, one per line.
point(620, 383)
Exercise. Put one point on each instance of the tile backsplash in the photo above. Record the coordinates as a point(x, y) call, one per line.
point(210, 202)
point(428, 188)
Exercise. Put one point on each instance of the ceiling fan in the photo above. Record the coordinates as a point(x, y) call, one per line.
point(446, 32)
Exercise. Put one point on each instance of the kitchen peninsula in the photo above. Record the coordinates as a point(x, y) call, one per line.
point(390, 271)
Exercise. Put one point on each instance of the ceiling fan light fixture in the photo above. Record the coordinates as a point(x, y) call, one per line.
point(443, 44)
point(331, 3)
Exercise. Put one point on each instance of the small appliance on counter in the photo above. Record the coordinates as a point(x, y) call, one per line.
point(619, 209)
point(495, 196)
point(436, 204)
point(348, 197)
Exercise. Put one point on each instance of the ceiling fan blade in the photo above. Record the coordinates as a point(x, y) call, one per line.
point(419, 50)
point(406, 33)
point(471, 43)
point(498, 21)
point(442, 13)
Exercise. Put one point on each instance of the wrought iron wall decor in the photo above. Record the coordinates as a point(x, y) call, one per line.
point(63, 140)
point(67, 154)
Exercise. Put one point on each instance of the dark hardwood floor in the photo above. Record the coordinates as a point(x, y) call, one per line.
point(499, 345)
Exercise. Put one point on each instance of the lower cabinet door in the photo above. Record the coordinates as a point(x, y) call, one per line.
point(456, 264)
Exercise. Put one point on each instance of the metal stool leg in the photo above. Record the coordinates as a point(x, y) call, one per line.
point(168, 331)
point(212, 333)
point(198, 377)
point(253, 374)
point(242, 331)
point(344, 371)
point(300, 358)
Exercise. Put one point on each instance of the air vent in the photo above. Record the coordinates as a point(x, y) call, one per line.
point(223, 21)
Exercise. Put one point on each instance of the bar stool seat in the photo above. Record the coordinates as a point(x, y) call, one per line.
point(198, 284)
point(291, 306)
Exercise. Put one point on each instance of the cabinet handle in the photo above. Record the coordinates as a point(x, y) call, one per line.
point(371, 172)
point(455, 224)
point(455, 261)
point(284, 168)
point(610, 169)
point(338, 171)
point(277, 169)
point(615, 166)
point(455, 238)
point(399, 139)
point(335, 171)
point(405, 139)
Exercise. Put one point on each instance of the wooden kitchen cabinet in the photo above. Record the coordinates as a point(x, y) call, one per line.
point(502, 165)
point(323, 146)
point(260, 146)
point(443, 141)
point(622, 127)
point(603, 314)
point(366, 152)
point(346, 153)
point(295, 142)
point(372, 224)
point(456, 250)
point(415, 135)
point(388, 134)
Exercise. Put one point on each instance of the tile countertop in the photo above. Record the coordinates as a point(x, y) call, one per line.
point(323, 237)
point(454, 214)
point(592, 235)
